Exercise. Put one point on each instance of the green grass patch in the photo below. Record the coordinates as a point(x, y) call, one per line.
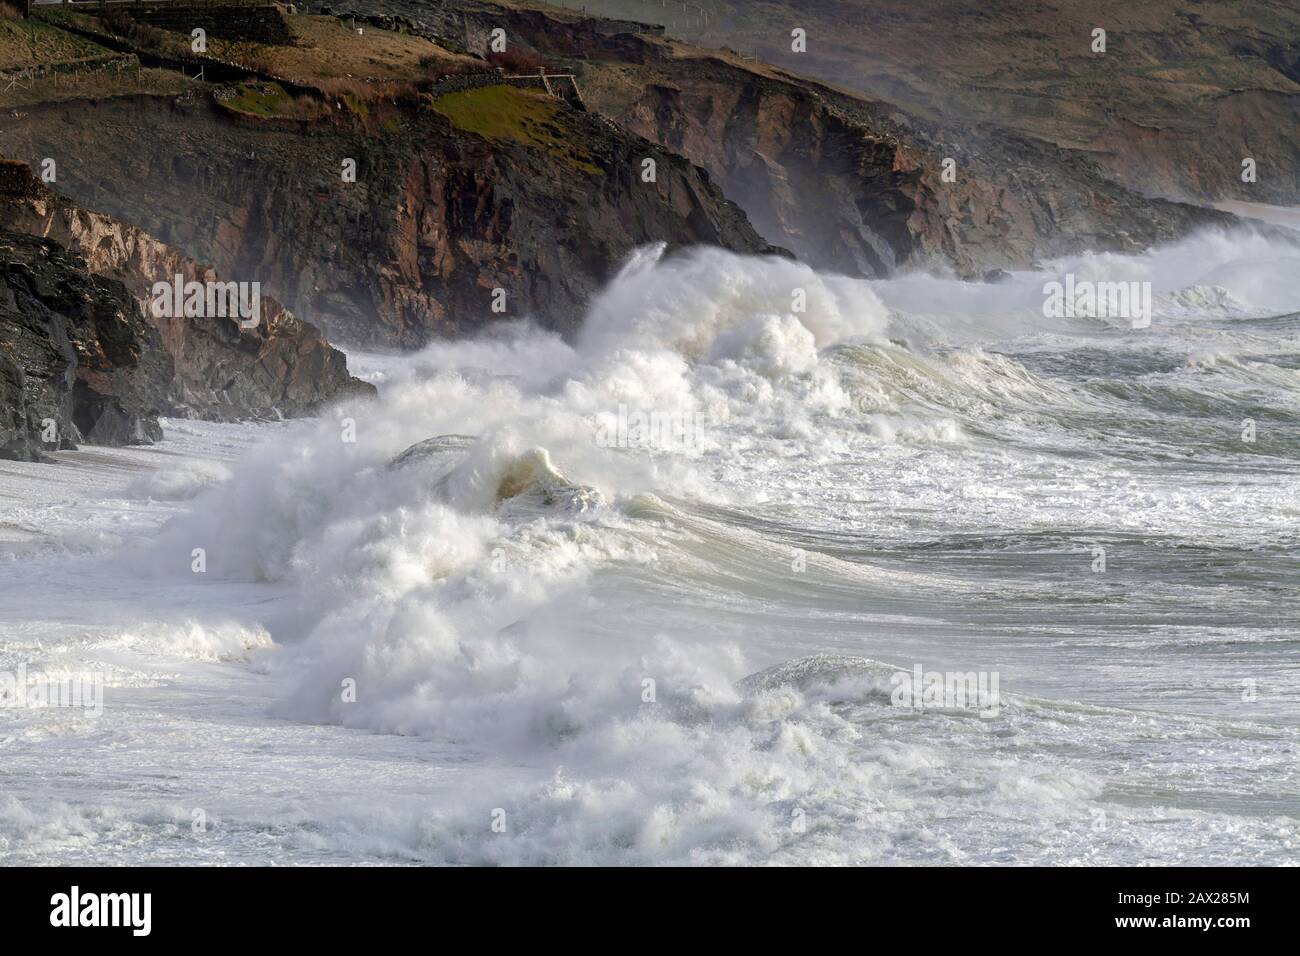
point(357, 105)
point(271, 101)
point(265, 100)
point(528, 117)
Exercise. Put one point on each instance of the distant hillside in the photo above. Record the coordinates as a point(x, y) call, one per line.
point(1185, 90)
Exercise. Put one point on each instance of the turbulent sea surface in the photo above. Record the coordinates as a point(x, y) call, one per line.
point(571, 642)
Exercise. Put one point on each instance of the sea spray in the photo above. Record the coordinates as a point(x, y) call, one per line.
point(435, 604)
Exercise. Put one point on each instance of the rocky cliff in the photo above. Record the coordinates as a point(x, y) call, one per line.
point(78, 362)
point(392, 186)
point(87, 349)
point(282, 367)
point(1179, 95)
point(860, 188)
point(460, 190)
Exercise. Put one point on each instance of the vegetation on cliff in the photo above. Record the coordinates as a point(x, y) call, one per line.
point(527, 117)
point(35, 42)
point(848, 183)
point(386, 208)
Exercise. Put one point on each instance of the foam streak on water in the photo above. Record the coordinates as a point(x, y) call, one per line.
point(684, 649)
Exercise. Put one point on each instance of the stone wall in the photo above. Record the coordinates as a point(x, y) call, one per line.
point(260, 24)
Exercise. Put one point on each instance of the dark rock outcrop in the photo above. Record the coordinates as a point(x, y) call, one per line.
point(78, 361)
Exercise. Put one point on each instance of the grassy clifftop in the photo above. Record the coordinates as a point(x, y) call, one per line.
point(328, 48)
point(371, 175)
point(530, 118)
point(36, 42)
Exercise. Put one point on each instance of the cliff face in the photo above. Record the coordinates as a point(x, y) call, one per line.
point(538, 199)
point(474, 200)
point(78, 362)
point(852, 186)
point(847, 183)
point(282, 367)
point(392, 208)
point(82, 345)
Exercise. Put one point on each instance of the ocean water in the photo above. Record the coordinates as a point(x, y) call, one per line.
point(645, 597)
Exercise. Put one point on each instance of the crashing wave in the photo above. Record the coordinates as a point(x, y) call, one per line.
point(817, 670)
point(531, 479)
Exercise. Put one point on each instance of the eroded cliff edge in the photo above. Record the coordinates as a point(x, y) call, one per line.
point(1167, 101)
